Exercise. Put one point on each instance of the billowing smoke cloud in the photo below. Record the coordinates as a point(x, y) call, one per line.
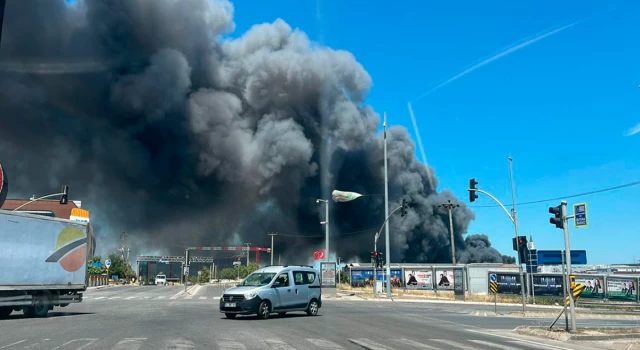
point(170, 131)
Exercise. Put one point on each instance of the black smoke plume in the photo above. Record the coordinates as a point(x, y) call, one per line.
point(169, 130)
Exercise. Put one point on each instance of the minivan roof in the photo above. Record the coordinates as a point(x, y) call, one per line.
point(278, 268)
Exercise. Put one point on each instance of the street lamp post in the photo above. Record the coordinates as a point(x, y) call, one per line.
point(63, 199)
point(386, 209)
point(326, 223)
point(272, 234)
point(450, 206)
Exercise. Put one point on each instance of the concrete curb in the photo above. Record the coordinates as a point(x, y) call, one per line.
point(101, 287)
point(561, 335)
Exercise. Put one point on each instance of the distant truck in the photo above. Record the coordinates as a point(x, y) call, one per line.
point(43, 262)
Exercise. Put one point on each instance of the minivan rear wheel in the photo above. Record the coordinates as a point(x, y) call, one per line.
point(312, 309)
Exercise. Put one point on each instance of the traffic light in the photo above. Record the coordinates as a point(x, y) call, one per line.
point(380, 260)
point(515, 243)
point(374, 260)
point(472, 187)
point(523, 250)
point(557, 220)
point(403, 209)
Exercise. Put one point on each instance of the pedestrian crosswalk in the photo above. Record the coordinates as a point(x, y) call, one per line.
point(148, 297)
point(270, 343)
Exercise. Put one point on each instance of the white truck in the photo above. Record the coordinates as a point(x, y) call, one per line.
point(43, 262)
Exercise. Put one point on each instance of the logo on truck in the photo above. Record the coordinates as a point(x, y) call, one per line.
point(71, 249)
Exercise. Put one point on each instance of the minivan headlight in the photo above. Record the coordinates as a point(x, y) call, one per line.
point(250, 295)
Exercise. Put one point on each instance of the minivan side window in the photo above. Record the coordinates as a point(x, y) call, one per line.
point(298, 277)
point(311, 277)
point(283, 278)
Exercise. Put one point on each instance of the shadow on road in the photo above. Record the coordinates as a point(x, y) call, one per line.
point(272, 317)
point(19, 315)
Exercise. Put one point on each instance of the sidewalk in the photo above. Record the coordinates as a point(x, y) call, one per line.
point(532, 310)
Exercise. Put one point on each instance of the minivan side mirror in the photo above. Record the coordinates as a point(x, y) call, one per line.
point(276, 284)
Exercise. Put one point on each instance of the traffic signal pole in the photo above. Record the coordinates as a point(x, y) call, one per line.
point(514, 221)
point(567, 252)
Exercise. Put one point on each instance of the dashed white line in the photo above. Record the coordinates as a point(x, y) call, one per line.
point(12, 344)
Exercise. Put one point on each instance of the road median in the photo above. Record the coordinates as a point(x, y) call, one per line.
point(583, 334)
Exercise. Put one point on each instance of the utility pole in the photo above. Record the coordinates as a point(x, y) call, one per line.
point(450, 206)
point(248, 244)
point(386, 210)
point(272, 235)
point(123, 236)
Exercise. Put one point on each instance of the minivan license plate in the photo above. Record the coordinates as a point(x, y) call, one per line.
point(229, 304)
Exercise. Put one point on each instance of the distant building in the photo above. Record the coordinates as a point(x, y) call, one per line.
point(45, 207)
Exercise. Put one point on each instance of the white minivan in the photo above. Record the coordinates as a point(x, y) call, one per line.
point(274, 289)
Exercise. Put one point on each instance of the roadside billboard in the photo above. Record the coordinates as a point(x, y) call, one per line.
point(444, 279)
point(328, 273)
point(508, 283)
point(547, 285)
point(418, 279)
point(623, 289)
point(594, 286)
point(364, 278)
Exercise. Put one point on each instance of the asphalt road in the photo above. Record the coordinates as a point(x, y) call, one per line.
point(155, 317)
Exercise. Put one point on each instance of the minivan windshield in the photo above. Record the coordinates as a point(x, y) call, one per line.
point(257, 279)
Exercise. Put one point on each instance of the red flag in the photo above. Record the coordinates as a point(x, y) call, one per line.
point(319, 254)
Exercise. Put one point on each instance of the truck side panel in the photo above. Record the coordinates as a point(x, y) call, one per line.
point(38, 252)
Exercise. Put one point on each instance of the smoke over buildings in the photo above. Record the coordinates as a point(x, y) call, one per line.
point(168, 130)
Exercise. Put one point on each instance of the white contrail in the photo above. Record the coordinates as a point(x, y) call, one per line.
point(424, 156)
point(508, 50)
point(634, 130)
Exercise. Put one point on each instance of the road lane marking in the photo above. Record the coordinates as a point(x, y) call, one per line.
point(114, 298)
point(12, 344)
point(230, 345)
point(278, 344)
point(91, 341)
point(160, 297)
point(179, 344)
point(202, 298)
point(189, 297)
point(511, 339)
point(369, 344)
point(129, 344)
point(98, 298)
point(418, 345)
point(324, 344)
point(133, 297)
point(451, 343)
point(492, 345)
point(216, 298)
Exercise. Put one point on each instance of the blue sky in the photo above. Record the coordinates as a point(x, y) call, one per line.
point(561, 107)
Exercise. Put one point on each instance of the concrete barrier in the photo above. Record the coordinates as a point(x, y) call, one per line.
point(97, 280)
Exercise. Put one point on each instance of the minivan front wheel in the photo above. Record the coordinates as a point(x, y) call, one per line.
point(264, 310)
point(312, 309)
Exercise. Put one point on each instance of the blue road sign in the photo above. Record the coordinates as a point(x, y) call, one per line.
point(580, 215)
point(493, 277)
point(107, 263)
point(555, 257)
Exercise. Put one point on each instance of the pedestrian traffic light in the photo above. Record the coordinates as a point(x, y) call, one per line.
point(472, 190)
point(523, 250)
point(557, 219)
point(515, 243)
point(403, 209)
point(374, 260)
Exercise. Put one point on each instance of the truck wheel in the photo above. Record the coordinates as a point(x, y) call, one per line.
point(5, 312)
point(40, 306)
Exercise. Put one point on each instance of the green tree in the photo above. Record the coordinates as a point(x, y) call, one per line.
point(228, 273)
point(120, 267)
point(205, 275)
point(95, 259)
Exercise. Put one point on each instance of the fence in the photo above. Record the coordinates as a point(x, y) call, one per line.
point(97, 280)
